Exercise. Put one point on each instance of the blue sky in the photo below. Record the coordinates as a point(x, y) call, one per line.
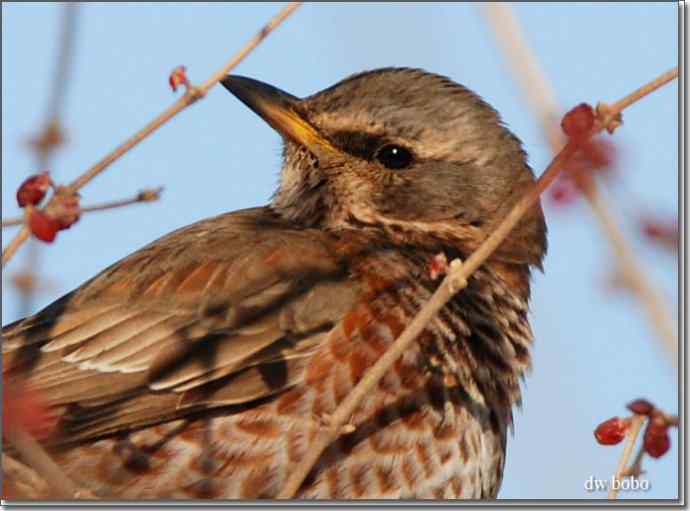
point(594, 349)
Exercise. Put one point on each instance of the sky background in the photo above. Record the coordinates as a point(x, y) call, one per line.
point(594, 348)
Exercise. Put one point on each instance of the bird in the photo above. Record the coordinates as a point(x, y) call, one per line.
point(203, 365)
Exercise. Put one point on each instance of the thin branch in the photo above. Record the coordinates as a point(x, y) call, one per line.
point(455, 280)
point(646, 89)
point(525, 66)
point(35, 456)
point(14, 244)
point(632, 433)
point(632, 273)
point(25, 444)
point(12, 221)
point(63, 69)
point(191, 95)
point(540, 95)
point(51, 136)
point(148, 195)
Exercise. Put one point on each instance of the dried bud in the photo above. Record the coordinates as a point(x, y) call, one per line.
point(66, 209)
point(178, 76)
point(33, 189)
point(438, 265)
point(149, 195)
point(43, 226)
point(599, 154)
point(593, 156)
point(662, 232)
point(656, 440)
point(605, 115)
point(562, 192)
point(612, 431)
point(578, 122)
point(640, 407)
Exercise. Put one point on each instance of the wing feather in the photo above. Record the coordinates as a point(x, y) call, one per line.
point(220, 313)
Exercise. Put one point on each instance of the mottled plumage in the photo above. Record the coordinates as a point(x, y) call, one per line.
point(202, 365)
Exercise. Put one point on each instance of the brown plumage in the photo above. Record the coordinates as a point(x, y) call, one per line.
point(201, 365)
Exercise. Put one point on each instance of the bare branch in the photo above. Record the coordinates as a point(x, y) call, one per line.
point(632, 433)
point(191, 95)
point(541, 98)
point(14, 244)
point(36, 457)
point(525, 67)
point(51, 135)
point(455, 280)
point(23, 442)
point(632, 273)
point(147, 195)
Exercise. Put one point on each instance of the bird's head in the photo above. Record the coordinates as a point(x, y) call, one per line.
point(401, 150)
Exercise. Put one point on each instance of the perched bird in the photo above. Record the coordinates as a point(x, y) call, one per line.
point(202, 365)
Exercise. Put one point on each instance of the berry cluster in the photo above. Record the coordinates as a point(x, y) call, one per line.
point(656, 441)
point(45, 223)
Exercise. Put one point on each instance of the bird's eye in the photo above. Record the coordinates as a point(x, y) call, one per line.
point(394, 157)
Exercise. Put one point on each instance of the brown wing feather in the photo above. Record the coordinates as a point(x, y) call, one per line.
point(219, 313)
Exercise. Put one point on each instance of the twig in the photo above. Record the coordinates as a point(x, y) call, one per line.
point(22, 441)
point(632, 434)
point(541, 97)
point(455, 280)
point(36, 457)
point(191, 95)
point(14, 244)
point(525, 67)
point(148, 195)
point(630, 270)
point(646, 89)
point(51, 136)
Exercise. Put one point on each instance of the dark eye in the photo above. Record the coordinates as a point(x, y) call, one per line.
point(394, 157)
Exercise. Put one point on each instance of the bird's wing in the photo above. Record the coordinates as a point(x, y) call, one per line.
point(222, 312)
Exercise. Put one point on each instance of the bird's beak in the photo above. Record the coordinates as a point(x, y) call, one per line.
point(279, 109)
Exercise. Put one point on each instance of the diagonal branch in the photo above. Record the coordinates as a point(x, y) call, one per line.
point(541, 98)
point(51, 135)
point(25, 444)
point(455, 280)
point(633, 276)
point(632, 434)
point(191, 95)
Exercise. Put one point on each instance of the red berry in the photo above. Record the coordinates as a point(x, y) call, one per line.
point(656, 440)
point(33, 189)
point(178, 76)
point(43, 226)
point(578, 122)
point(612, 431)
point(640, 407)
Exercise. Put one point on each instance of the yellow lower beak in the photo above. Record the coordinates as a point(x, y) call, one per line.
point(279, 109)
